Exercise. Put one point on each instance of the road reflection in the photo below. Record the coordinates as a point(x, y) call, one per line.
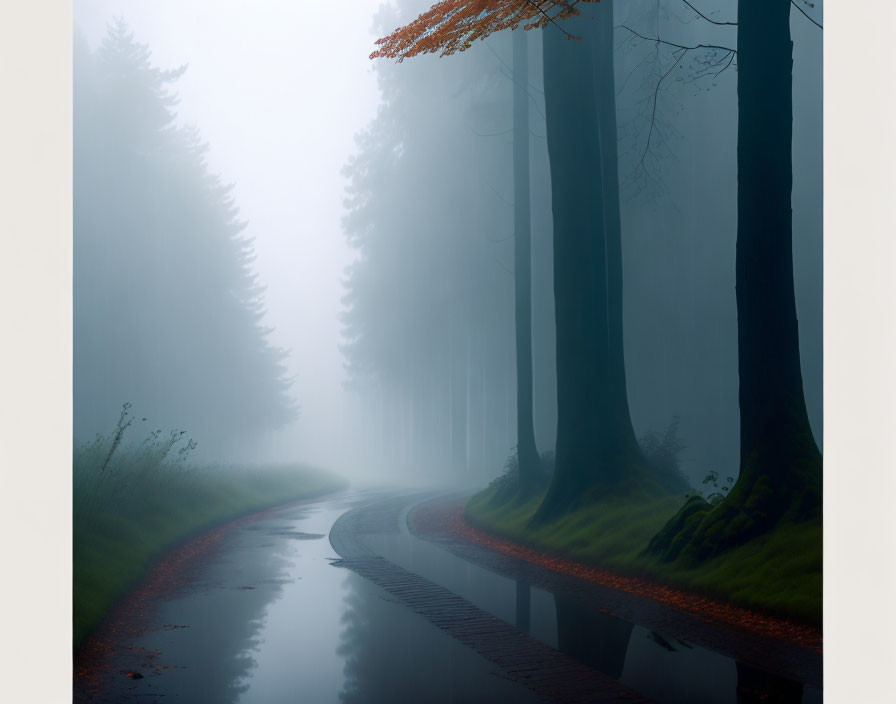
point(393, 655)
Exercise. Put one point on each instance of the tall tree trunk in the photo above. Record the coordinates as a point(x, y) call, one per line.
point(780, 465)
point(605, 89)
point(458, 395)
point(596, 446)
point(527, 452)
point(468, 400)
point(776, 439)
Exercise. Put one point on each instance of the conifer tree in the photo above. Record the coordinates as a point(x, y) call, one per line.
point(168, 311)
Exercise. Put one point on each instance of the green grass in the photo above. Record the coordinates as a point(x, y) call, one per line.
point(607, 533)
point(779, 573)
point(132, 504)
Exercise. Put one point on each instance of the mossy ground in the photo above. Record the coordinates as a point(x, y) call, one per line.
point(779, 573)
point(117, 543)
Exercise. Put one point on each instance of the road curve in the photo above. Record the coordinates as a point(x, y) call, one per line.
point(548, 672)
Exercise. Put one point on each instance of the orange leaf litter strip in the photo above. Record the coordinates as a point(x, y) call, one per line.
point(129, 619)
point(453, 521)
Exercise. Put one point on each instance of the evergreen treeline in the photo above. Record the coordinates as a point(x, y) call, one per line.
point(167, 310)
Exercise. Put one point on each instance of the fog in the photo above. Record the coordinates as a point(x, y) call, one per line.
point(279, 129)
point(378, 199)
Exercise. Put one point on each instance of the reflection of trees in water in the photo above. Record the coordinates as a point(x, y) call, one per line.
point(356, 631)
point(213, 659)
point(221, 648)
point(755, 686)
point(601, 641)
point(393, 655)
point(384, 662)
point(596, 639)
point(523, 605)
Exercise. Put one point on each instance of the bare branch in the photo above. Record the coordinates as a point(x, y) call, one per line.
point(673, 44)
point(551, 19)
point(655, 97)
point(490, 134)
point(708, 19)
point(498, 195)
point(498, 57)
point(793, 2)
point(531, 97)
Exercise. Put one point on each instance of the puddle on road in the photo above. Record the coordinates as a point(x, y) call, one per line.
point(658, 666)
point(269, 619)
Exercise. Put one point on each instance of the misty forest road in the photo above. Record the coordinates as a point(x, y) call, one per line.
point(393, 608)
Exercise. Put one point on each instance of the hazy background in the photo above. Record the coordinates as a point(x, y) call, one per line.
point(279, 91)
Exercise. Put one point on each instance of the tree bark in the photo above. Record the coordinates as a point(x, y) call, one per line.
point(458, 401)
point(596, 446)
point(527, 452)
point(608, 135)
point(771, 382)
point(776, 439)
point(780, 465)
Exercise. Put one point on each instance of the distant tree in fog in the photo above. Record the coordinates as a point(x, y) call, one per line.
point(527, 451)
point(167, 309)
point(429, 300)
point(596, 445)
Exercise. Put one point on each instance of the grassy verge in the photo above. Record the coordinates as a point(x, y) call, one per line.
point(779, 574)
point(132, 504)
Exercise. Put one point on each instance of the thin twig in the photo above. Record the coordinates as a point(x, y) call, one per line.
point(677, 46)
point(708, 19)
point(817, 24)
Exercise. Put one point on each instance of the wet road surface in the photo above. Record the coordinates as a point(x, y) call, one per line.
point(336, 600)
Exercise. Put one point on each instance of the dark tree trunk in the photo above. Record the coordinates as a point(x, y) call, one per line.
point(778, 451)
point(780, 465)
point(527, 452)
point(605, 82)
point(774, 424)
point(596, 445)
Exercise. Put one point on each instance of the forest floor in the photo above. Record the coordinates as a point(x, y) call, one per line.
point(770, 586)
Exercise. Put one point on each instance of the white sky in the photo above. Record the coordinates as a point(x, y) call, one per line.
point(278, 88)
